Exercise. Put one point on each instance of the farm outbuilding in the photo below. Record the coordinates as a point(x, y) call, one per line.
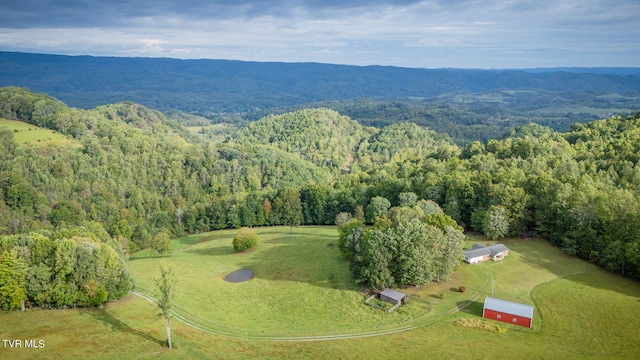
point(479, 253)
point(392, 296)
point(508, 312)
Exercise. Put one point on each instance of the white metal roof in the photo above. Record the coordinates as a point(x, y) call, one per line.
point(508, 307)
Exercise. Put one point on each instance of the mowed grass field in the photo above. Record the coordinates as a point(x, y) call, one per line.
point(25, 133)
point(302, 288)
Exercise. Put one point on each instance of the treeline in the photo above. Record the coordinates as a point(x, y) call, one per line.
point(138, 174)
point(67, 266)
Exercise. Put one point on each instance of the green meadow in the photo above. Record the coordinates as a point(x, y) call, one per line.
point(303, 304)
point(25, 133)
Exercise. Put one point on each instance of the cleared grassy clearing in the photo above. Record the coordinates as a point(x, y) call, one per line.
point(581, 312)
point(302, 286)
point(25, 133)
point(124, 329)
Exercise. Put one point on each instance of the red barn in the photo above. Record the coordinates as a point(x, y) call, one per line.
point(508, 311)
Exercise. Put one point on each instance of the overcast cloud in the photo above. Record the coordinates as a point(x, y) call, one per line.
point(429, 34)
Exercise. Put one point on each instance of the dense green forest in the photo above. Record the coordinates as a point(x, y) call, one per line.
point(136, 176)
point(472, 117)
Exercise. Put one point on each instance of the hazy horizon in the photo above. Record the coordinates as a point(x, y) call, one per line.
point(407, 33)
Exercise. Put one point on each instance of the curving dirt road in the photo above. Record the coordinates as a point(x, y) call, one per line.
point(193, 321)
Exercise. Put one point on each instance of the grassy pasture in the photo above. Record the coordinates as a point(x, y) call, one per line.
point(581, 311)
point(302, 286)
point(25, 133)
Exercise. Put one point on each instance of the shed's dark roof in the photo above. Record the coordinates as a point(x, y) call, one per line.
point(392, 294)
point(485, 250)
point(509, 307)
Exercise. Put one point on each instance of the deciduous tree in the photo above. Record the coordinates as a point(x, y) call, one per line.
point(288, 208)
point(378, 206)
point(161, 243)
point(266, 205)
point(165, 293)
point(13, 281)
point(495, 223)
point(245, 239)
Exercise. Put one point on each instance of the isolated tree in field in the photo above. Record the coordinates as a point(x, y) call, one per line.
point(165, 291)
point(245, 239)
point(161, 243)
point(288, 207)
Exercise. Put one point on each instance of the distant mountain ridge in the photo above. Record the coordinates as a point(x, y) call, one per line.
point(228, 86)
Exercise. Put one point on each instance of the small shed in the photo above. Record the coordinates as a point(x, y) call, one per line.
point(527, 235)
point(508, 312)
point(393, 297)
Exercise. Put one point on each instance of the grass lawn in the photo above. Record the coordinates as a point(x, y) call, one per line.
point(25, 133)
point(302, 288)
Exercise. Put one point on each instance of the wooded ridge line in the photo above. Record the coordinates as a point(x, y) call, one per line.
point(218, 86)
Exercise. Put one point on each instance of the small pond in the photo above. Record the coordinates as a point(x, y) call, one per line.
point(239, 276)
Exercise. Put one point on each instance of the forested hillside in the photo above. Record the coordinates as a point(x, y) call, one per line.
point(467, 104)
point(138, 176)
point(237, 86)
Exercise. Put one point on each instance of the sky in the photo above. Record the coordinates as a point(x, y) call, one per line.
point(406, 33)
